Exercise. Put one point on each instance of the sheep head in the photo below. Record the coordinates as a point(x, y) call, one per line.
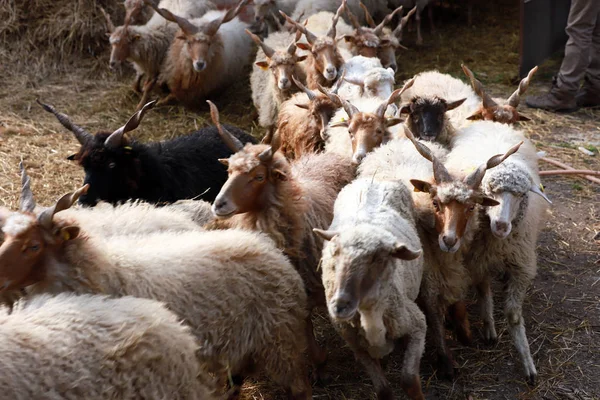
point(323, 49)
point(281, 63)
point(389, 41)
point(454, 200)
point(110, 159)
point(254, 172)
point(121, 40)
point(377, 82)
point(369, 130)
point(198, 38)
point(364, 41)
point(27, 238)
point(492, 111)
point(359, 269)
point(427, 115)
point(262, 8)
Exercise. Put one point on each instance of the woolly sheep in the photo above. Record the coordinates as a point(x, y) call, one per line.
point(438, 105)
point(95, 347)
point(372, 273)
point(506, 242)
point(206, 54)
point(364, 76)
point(261, 324)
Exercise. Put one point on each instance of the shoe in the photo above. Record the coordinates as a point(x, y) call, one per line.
point(588, 96)
point(555, 100)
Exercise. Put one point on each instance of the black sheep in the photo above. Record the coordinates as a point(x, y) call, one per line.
point(119, 168)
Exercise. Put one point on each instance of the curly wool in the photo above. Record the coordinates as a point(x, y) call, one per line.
point(457, 191)
point(507, 177)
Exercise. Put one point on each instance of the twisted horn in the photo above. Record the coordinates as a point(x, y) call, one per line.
point(231, 141)
point(386, 20)
point(348, 107)
point(268, 50)
point(514, 99)
point(186, 26)
point(115, 140)
point(311, 37)
point(311, 95)
point(26, 200)
point(353, 20)
point(109, 24)
point(440, 173)
point(474, 179)
point(332, 95)
point(403, 21)
point(488, 102)
point(233, 12)
point(393, 97)
point(332, 32)
point(81, 134)
point(291, 50)
point(266, 155)
point(66, 201)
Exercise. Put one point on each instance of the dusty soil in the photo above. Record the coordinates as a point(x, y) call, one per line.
point(562, 311)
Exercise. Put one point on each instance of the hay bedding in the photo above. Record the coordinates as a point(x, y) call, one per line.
point(57, 51)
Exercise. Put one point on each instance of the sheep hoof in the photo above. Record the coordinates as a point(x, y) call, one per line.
point(445, 367)
point(531, 379)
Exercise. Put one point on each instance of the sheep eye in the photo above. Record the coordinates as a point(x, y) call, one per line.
point(112, 165)
point(436, 205)
point(34, 247)
point(472, 208)
point(259, 178)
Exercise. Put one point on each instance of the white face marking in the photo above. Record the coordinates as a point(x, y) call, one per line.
point(17, 223)
point(502, 215)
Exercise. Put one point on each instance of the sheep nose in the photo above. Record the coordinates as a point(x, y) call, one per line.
point(220, 203)
point(357, 158)
point(199, 65)
point(450, 240)
point(342, 307)
point(394, 67)
point(284, 82)
point(330, 70)
point(501, 226)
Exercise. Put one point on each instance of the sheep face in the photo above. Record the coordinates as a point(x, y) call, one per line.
point(262, 8)
point(282, 65)
point(358, 261)
point(379, 83)
point(121, 41)
point(197, 48)
point(367, 131)
point(326, 56)
point(504, 114)
point(320, 109)
point(427, 116)
point(386, 52)
point(363, 43)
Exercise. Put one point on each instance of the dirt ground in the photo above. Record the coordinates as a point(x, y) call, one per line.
point(562, 311)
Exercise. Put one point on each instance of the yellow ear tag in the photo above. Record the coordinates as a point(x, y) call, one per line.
point(542, 188)
point(66, 236)
point(127, 148)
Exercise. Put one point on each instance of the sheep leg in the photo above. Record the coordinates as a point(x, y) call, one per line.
point(137, 83)
point(430, 15)
point(316, 354)
point(169, 99)
point(460, 320)
point(516, 287)
point(418, 21)
point(415, 346)
point(486, 310)
point(148, 86)
point(435, 322)
point(372, 365)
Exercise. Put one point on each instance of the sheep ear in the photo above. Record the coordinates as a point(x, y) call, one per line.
point(488, 202)
point(262, 65)
point(392, 121)
point(349, 38)
point(339, 124)
point(384, 43)
point(325, 235)
point(301, 58)
point(402, 252)
point(303, 46)
point(72, 157)
point(181, 36)
point(69, 232)
point(404, 109)
point(421, 186)
point(279, 174)
point(523, 118)
point(454, 104)
point(224, 161)
point(476, 116)
point(300, 105)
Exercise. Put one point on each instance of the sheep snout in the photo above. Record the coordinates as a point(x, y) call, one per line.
point(330, 73)
point(449, 242)
point(199, 65)
point(342, 306)
point(501, 229)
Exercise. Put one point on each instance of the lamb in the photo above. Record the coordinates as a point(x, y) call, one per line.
point(372, 273)
point(490, 110)
point(324, 59)
point(434, 115)
point(359, 131)
point(271, 78)
point(145, 46)
point(206, 54)
point(286, 201)
point(507, 246)
point(260, 325)
point(119, 168)
point(93, 347)
point(303, 119)
point(365, 76)
point(447, 222)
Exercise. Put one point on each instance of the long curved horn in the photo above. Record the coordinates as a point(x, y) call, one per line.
point(311, 95)
point(368, 16)
point(109, 24)
point(514, 99)
point(348, 107)
point(26, 200)
point(474, 179)
point(269, 51)
point(393, 97)
point(353, 20)
point(403, 21)
point(66, 201)
point(335, 99)
point(336, 86)
point(539, 192)
point(311, 37)
point(115, 140)
point(379, 28)
point(488, 102)
point(233, 12)
point(186, 26)
point(332, 32)
point(440, 173)
point(81, 134)
point(231, 141)
point(291, 50)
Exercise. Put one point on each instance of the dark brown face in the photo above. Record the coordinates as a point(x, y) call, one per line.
point(243, 192)
point(198, 47)
point(327, 57)
point(367, 131)
point(451, 221)
point(120, 40)
point(386, 52)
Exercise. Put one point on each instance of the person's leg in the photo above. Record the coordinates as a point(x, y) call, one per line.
point(583, 16)
point(589, 94)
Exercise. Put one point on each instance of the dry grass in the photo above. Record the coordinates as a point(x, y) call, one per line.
point(563, 308)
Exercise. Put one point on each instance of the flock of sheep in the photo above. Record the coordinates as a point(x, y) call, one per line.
point(384, 206)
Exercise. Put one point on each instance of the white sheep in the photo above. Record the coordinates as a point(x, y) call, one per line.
point(206, 54)
point(262, 323)
point(506, 242)
point(372, 273)
point(365, 76)
point(438, 105)
point(96, 347)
